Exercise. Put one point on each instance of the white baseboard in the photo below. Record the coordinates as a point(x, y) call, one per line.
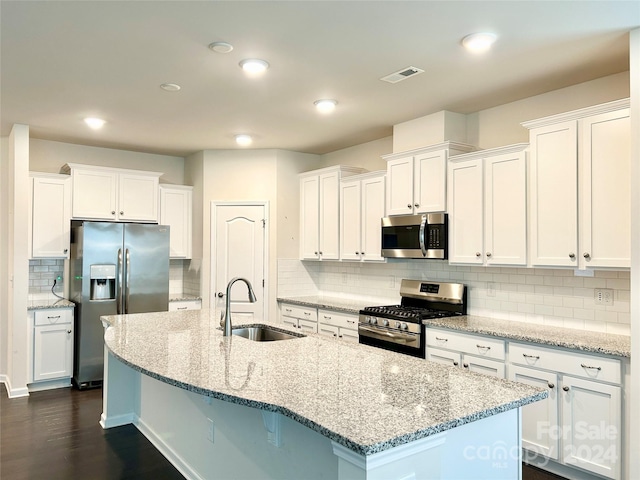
point(167, 451)
point(117, 420)
point(13, 392)
point(49, 385)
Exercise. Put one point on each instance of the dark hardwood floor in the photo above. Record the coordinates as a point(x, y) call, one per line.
point(54, 435)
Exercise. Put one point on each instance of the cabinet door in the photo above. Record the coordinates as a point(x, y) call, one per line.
point(539, 419)
point(51, 217)
point(591, 418)
point(330, 216)
point(443, 357)
point(465, 212)
point(553, 195)
point(350, 221)
point(400, 186)
point(505, 208)
point(308, 326)
point(137, 198)
point(605, 201)
point(289, 321)
point(94, 194)
point(52, 352)
point(309, 217)
point(327, 330)
point(175, 211)
point(429, 182)
point(372, 208)
point(348, 335)
point(485, 366)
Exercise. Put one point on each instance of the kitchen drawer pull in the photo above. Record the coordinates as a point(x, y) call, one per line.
point(287, 310)
point(535, 357)
point(181, 308)
point(590, 367)
point(483, 346)
point(327, 317)
point(351, 321)
point(442, 339)
point(307, 313)
point(53, 318)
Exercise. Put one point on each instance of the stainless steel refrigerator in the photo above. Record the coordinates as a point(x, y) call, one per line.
point(115, 268)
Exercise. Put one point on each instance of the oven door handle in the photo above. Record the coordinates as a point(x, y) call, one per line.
point(423, 227)
point(382, 333)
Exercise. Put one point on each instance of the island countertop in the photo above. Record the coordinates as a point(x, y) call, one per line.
point(363, 398)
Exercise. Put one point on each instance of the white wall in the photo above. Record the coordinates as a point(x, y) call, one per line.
point(48, 156)
point(4, 249)
point(366, 155)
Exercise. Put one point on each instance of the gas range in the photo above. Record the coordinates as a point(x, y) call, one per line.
point(399, 327)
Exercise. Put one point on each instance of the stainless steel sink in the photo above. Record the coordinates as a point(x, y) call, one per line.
point(263, 334)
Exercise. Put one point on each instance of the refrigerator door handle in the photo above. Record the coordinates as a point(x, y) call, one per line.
point(119, 284)
point(126, 285)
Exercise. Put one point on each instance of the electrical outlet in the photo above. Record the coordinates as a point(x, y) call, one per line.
point(603, 296)
point(210, 430)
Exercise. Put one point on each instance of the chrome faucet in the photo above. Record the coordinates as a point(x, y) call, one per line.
point(227, 314)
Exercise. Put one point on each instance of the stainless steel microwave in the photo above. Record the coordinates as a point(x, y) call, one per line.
point(415, 236)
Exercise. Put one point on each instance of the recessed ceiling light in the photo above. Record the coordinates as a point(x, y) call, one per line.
point(221, 47)
point(170, 87)
point(244, 140)
point(479, 42)
point(325, 105)
point(94, 123)
point(254, 65)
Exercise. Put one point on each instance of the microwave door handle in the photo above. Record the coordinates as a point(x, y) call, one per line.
point(423, 227)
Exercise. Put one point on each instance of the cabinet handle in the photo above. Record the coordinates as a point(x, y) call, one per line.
point(54, 318)
point(327, 317)
point(320, 253)
point(408, 205)
point(535, 357)
point(488, 254)
point(478, 254)
point(572, 256)
point(181, 308)
point(357, 253)
point(551, 385)
point(113, 212)
point(307, 313)
point(121, 212)
point(315, 253)
point(351, 321)
point(566, 389)
point(442, 339)
point(361, 253)
point(68, 331)
point(483, 346)
point(287, 310)
point(592, 368)
point(465, 365)
point(335, 334)
point(65, 250)
point(339, 336)
point(455, 364)
point(416, 205)
point(586, 255)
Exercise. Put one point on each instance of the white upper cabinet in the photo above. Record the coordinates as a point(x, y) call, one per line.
point(487, 201)
point(50, 223)
point(176, 211)
point(101, 193)
point(362, 201)
point(579, 177)
point(416, 180)
point(320, 212)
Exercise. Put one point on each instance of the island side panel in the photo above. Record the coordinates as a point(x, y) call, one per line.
point(208, 438)
point(120, 393)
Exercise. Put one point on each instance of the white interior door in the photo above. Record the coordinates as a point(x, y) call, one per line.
point(238, 233)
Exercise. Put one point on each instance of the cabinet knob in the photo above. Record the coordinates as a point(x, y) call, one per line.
point(121, 212)
point(478, 254)
point(566, 389)
point(488, 254)
point(220, 294)
point(551, 385)
point(65, 250)
point(361, 253)
point(357, 253)
point(572, 256)
point(315, 253)
point(455, 364)
point(320, 253)
point(408, 205)
point(586, 255)
point(68, 331)
point(113, 212)
point(465, 365)
point(416, 205)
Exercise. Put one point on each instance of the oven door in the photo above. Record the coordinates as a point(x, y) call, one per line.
point(407, 343)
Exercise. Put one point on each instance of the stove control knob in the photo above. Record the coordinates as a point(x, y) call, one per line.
point(385, 322)
point(398, 325)
point(404, 326)
point(373, 320)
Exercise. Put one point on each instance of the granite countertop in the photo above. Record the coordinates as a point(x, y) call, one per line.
point(364, 398)
point(345, 305)
point(183, 297)
point(595, 342)
point(42, 304)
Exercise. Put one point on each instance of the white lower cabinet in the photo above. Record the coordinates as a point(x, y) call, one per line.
point(180, 305)
point(474, 353)
point(580, 424)
point(302, 318)
point(52, 344)
point(339, 325)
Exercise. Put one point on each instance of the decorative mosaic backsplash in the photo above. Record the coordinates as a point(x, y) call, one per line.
point(541, 296)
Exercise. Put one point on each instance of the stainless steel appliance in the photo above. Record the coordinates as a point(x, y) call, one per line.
point(115, 268)
point(400, 328)
point(415, 236)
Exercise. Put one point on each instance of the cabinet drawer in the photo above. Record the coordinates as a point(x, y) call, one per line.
point(53, 316)
point(576, 364)
point(342, 320)
point(185, 305)
point(296, 311)
point(471, 344)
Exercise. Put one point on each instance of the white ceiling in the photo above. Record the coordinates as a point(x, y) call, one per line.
point(64, 60)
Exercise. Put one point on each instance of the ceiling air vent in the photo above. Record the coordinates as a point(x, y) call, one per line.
point(402, 74)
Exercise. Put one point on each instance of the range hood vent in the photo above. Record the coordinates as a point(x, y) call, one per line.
point(402, 74)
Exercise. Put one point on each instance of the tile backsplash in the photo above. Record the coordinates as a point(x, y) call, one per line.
point(534, 295)
point(184, 277)
point(42, 274)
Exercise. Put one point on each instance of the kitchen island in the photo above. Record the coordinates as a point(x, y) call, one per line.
point(308, 407)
